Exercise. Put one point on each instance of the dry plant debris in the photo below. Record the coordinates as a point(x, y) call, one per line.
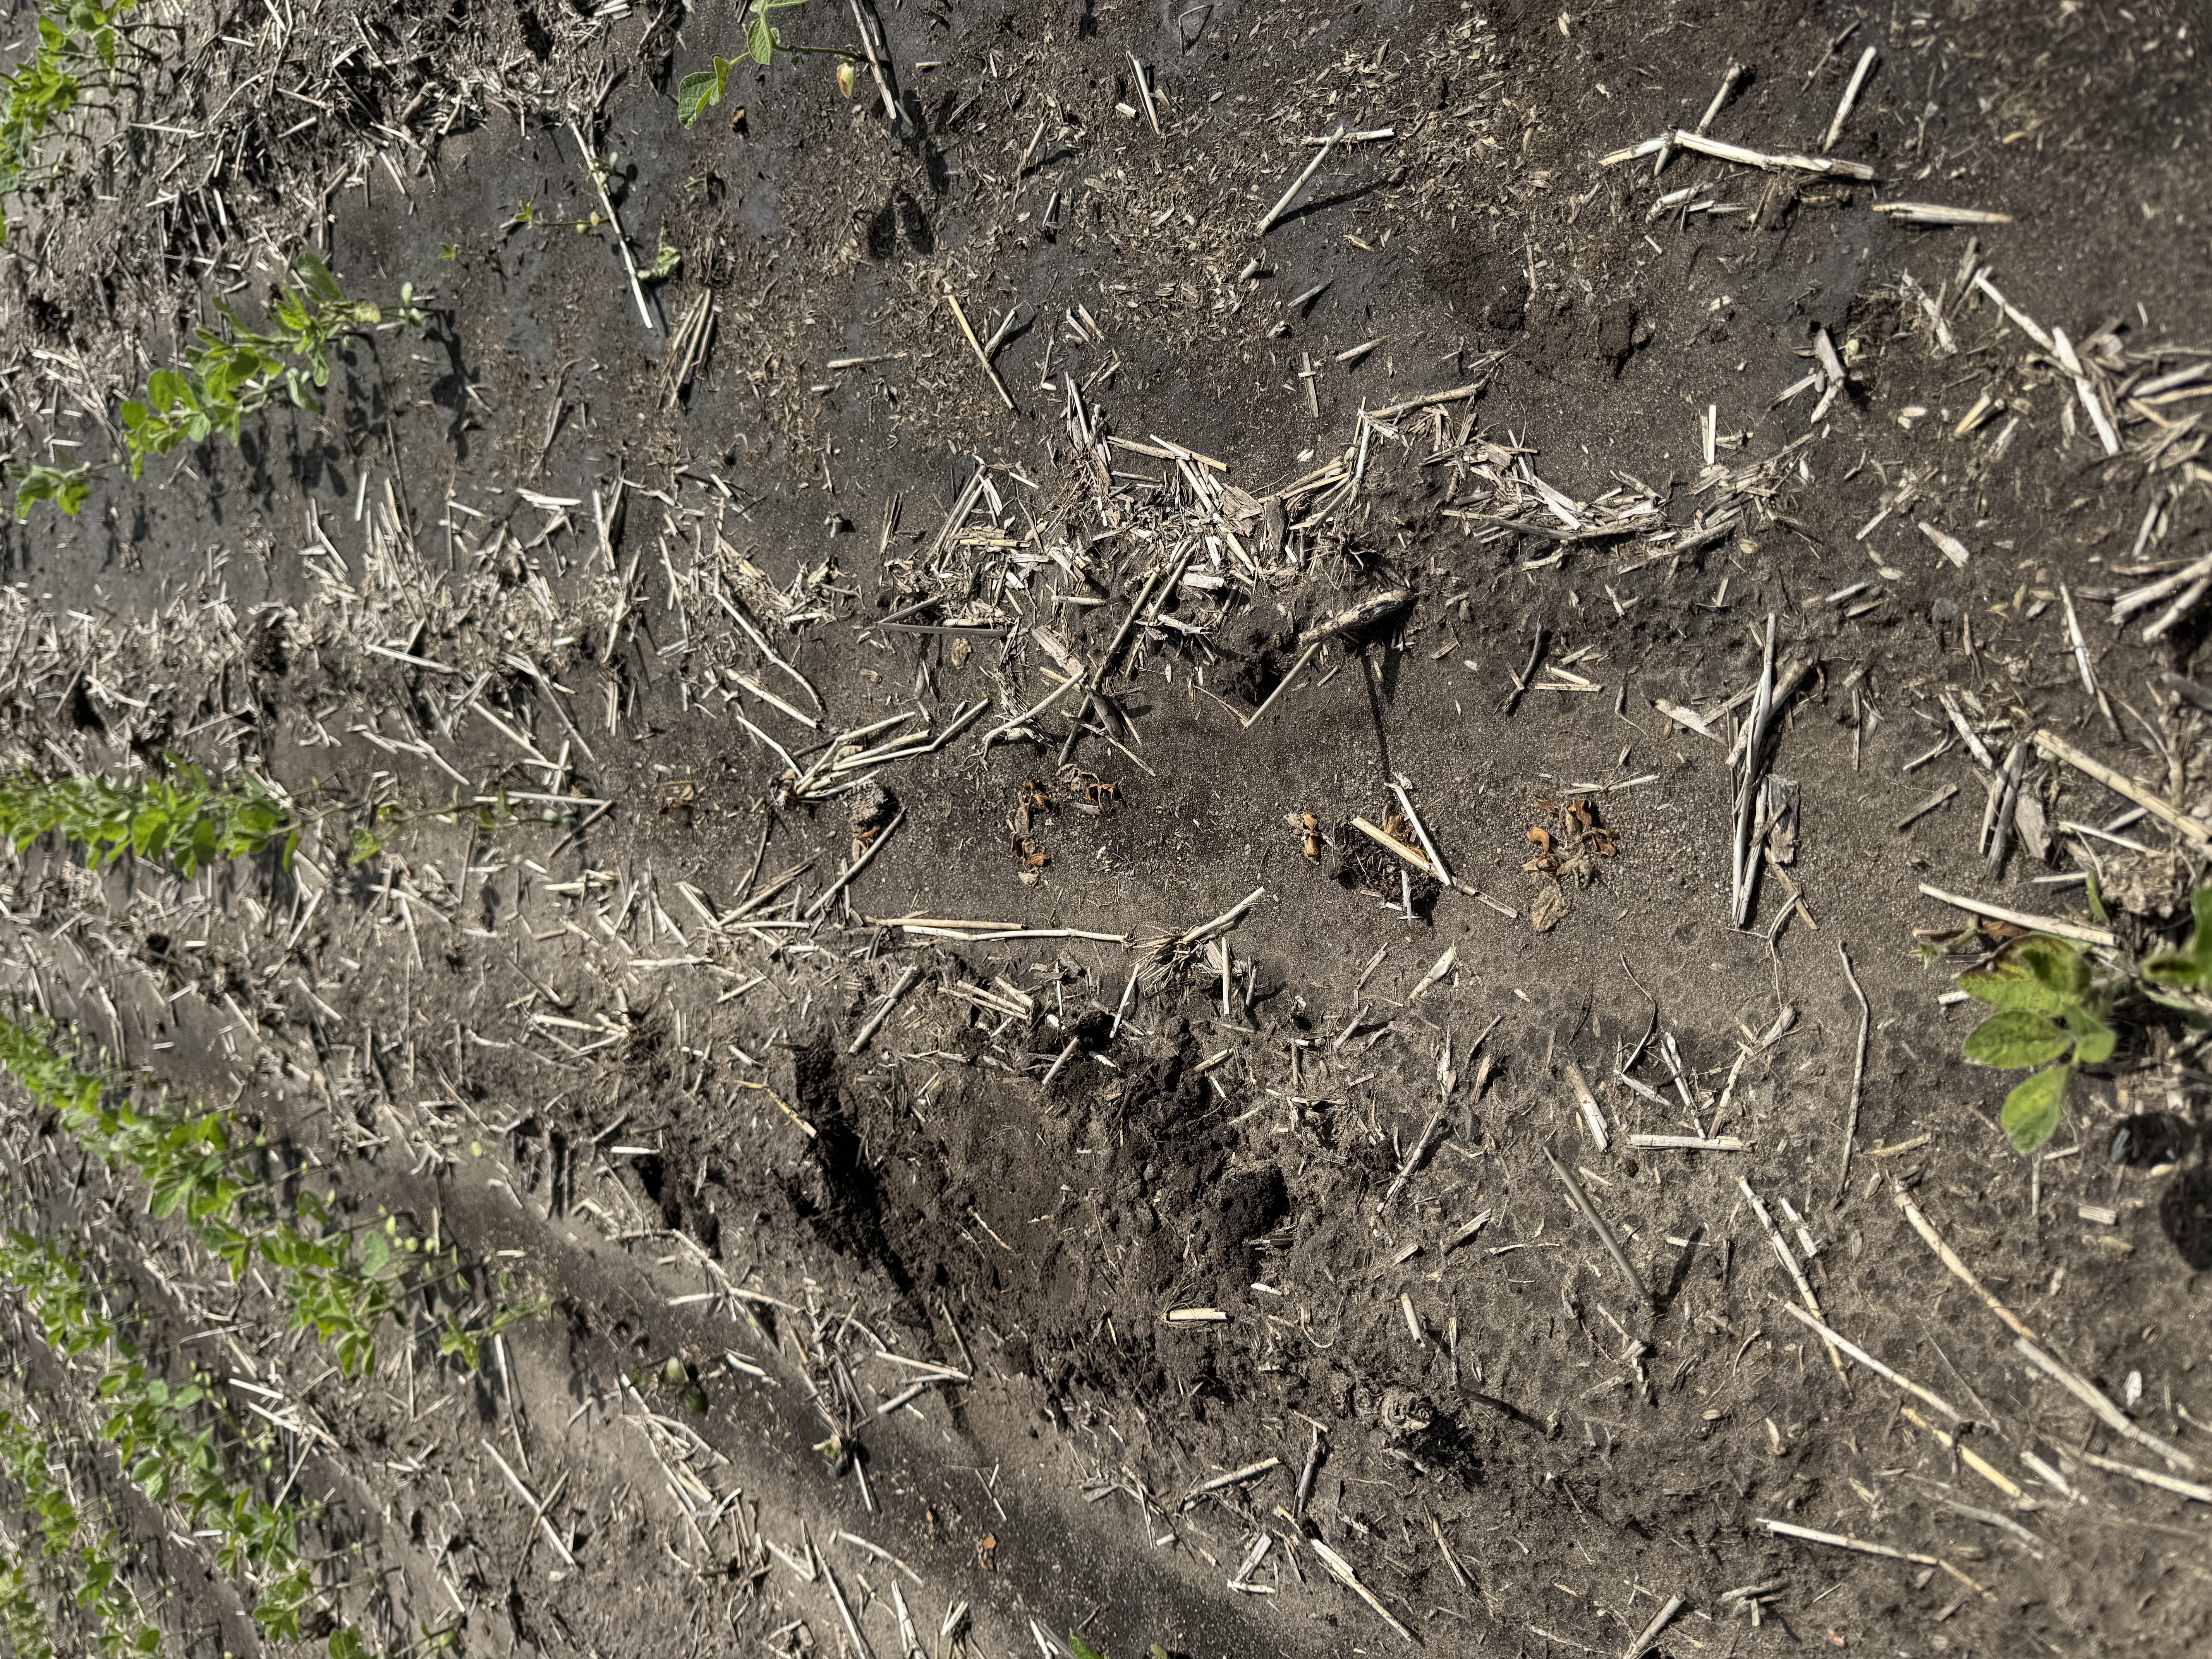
point(1775, 452)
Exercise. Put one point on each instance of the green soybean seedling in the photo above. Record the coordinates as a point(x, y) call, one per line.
point(40, 92)
point(186, 818)
point(232, 371)
point(47, 90)
point(21, 1616)
point(2052, 1014)
point(189, 821)
point(697, 92)
point(342, 1283)
point(2182, 979)
point(89, 1559)
point(100, 26)
point(65, 487)
point(466, 1342)
point(160, 1452)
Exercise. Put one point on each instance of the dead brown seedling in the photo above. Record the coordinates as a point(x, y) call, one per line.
point(1565, 860)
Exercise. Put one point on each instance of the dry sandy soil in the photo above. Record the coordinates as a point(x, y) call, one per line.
point(1296, 1286)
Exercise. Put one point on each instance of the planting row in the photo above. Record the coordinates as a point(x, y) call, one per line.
point(342, 1283)
point(157, 1444)
point(84, 1560)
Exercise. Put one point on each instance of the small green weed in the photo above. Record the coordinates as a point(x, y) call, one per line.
point(1083, 1649)
point(367, 838)
point(466, 1342)
point(2182, 979)
point(527, 217)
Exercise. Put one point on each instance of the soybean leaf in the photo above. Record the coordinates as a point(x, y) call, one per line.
point(2031, 1111)
point(2092, 1038)
point(761, 40)
point(2055, 963)
point(309, 265)
point(2191, 968)
point(2015, 1038)
point(2038, 973)
point(2005, 984)
point(694, 92)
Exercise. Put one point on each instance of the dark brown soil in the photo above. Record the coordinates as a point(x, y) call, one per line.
point(470, 1031)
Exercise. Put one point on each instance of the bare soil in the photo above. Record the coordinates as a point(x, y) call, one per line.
point(569, 1047)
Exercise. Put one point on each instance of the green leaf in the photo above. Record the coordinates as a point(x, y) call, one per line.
point(694, 92)
point(2031, 1111)
point(2174, 968)
point(2010, 991)
point(2015, 1038)
point(761, 40)
point(309, 265)
point(2093, 1039)
point(2038, 973)
point(2190, 969)
point(1083, 1649)
point(2200, 909)
point(2056, 964)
